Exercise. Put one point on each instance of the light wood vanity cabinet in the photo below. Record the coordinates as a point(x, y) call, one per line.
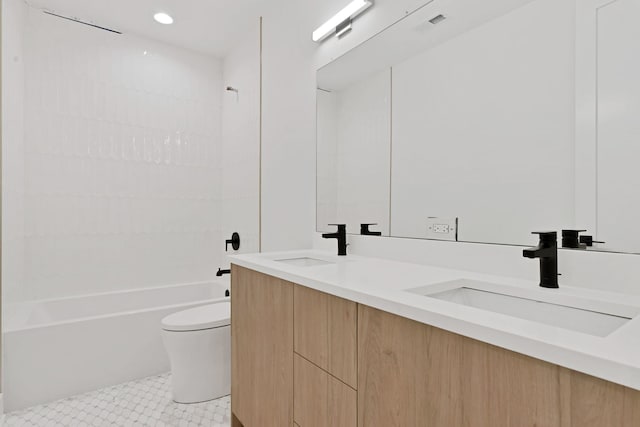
point(325, 331)
point(261, 349)
point(265, 311)
point(307, 359)
point(411, 374)
point(326, 358)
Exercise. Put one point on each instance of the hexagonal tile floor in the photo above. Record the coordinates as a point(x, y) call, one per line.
point(145, 402)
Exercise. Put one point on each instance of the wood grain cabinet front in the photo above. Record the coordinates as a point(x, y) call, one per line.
point(325, 332)
point(308, 359)
point(261, 349)
point(411, 375)
point(321, 400)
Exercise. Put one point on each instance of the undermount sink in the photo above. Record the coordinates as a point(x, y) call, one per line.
point(543, 306)
point(304, 261)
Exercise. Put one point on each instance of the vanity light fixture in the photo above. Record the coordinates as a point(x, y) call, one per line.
point(163, 18)
point(340, 23)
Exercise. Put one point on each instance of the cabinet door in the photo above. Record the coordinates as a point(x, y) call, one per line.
point(262, 349)
point(326, 331)
point(592, 402)
point(411, 374)
point(320, 400)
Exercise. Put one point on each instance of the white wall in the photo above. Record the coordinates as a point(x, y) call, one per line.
point(14, 13)
point(241, 143)
point(483, 129)
point(122, 161)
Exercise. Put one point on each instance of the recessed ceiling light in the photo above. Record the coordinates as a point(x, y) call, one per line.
point(163, 18)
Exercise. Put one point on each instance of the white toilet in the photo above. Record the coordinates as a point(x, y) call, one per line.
point(198, 342)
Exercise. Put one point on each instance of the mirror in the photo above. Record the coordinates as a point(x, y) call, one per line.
point(354, 134)
point(609, 93)
point(481, 141)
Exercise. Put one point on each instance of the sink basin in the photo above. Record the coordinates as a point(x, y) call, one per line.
point(304, 261)
point(542, 306)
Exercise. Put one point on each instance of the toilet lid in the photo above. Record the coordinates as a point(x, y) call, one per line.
point(195, 319)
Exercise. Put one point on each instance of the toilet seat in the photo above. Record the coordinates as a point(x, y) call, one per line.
point(199, 318)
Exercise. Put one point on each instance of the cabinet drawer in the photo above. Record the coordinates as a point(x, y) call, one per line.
point(321, 400)
point(325, 332)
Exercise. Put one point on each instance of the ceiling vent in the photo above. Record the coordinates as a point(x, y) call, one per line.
point(437, 19)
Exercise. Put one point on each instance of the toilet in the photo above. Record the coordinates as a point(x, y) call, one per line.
point(198, 342)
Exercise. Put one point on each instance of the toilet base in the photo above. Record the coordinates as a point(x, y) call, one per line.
point(200, 364)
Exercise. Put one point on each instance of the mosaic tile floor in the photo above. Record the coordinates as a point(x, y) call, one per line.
point(145, 402)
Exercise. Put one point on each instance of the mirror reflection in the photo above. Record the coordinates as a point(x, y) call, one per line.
point(354, 134)
point(481, 141)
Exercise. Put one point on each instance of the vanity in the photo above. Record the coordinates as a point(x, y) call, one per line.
point(321, 340)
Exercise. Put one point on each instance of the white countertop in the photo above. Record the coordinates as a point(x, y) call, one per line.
point(382, 284)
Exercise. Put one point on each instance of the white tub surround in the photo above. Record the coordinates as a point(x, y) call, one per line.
point(63, 347)
point(383, 284)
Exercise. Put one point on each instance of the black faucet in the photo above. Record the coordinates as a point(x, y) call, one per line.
point(341, 235)
point(547, 251)
point(364, 230)
point(222, 272)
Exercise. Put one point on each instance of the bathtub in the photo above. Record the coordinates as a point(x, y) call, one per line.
point(62, 347)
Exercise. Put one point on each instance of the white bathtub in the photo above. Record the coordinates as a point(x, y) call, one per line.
point(61, 347)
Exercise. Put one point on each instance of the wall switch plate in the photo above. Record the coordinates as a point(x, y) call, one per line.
point(442, 228)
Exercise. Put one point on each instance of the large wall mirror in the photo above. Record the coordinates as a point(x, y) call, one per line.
point(485, 121)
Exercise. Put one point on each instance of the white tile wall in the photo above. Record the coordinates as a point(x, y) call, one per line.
point(122, 162)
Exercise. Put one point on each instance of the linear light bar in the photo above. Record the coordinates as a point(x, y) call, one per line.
point(354, 9)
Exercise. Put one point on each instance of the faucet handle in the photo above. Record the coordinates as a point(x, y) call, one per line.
point(570, 238)
point(234, 242)
point(364, 230)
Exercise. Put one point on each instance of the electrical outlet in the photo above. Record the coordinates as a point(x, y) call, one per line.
point(442, 228)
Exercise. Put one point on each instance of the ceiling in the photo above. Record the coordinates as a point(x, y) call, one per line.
point(410, 36)
point(209, 26)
